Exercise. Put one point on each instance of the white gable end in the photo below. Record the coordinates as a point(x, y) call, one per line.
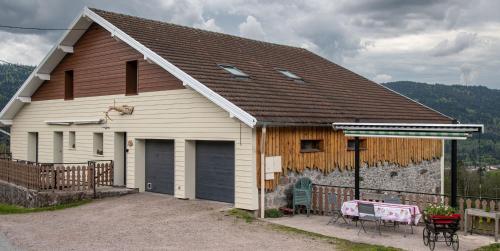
point(64, 46)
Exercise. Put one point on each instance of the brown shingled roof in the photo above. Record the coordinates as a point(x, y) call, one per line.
point(330, 93)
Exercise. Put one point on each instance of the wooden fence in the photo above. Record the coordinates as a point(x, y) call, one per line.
point(104, 173)
point(322, 199)
point(55, 176)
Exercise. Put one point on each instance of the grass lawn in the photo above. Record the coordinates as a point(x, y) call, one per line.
point(242, 214)
point(339, 244)
point(492, 247)
point(11, 209)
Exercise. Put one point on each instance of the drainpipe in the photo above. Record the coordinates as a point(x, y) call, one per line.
point(262, 171)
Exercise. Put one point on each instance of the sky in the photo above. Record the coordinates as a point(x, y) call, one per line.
point(448, 42)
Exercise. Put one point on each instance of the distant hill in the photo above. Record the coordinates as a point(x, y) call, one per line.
point(12, 77)
point(468, 104)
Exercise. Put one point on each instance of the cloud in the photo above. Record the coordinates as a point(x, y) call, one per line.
point(332, 38)
point(404, 17)
point(425, 40)
point(209, 25)
point(382, 78)
point(462, 41)
point(23, 48)
point(468, 74)
point(252, 28)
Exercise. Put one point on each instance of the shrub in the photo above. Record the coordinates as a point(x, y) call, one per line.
point(273, 213)
point(242, 214)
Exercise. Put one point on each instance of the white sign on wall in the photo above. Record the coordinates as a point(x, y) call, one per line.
point(273, 165)
point(269, 176)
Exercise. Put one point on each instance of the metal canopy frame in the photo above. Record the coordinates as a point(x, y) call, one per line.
point(453, 132)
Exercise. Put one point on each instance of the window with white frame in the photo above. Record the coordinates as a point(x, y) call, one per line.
point(72, 139)
point(98, 143)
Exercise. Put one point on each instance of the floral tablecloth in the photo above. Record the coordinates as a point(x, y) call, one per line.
point(386, 211)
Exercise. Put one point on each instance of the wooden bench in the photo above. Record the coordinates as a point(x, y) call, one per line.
point(379, 197)
point(471, 212)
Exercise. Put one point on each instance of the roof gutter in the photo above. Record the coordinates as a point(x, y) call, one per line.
point(295, 124)
point(283, 124)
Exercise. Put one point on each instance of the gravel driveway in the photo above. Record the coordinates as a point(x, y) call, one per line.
point(146, 221)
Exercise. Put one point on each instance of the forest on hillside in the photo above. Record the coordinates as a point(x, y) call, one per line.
point(467, 104)
point(11, 78)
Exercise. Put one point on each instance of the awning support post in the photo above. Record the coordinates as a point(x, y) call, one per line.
point(356, 168)
point(454, 173)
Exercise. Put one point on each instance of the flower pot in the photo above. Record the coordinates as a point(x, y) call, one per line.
point(445, 219)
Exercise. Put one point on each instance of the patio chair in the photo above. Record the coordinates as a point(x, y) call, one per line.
point(302, 194)
point(335, 211)
point(366, 212)
point(393, 199)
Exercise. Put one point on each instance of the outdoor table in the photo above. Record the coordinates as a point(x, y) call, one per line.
point(471, 212)
point(409, 214)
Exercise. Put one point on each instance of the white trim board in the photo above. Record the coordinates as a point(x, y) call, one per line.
point(89, 16)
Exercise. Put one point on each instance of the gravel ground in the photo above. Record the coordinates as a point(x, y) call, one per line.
point(4, 244)
point(146, 221)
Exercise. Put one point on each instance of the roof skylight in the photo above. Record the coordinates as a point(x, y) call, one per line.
point(235, 71)
point(289, 74)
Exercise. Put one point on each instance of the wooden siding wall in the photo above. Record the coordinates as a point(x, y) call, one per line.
point(285, 142)
point(99, 63)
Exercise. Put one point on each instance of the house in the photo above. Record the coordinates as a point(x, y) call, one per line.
point(198, 114)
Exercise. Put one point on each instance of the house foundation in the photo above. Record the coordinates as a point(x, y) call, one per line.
point(21, 196)
point(424, 177)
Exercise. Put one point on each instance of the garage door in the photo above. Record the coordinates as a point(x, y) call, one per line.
point(215, 170)
point(160, 166)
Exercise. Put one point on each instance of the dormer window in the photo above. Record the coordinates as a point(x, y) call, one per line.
point(234, 71)
point(290, 75)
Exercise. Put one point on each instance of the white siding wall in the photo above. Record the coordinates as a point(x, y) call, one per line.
point(177, 114)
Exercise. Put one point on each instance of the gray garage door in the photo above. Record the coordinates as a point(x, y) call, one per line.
point(215, 170)
point(160, 166)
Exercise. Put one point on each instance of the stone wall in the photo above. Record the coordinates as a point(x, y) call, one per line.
point(21, 196)
point(422, 177)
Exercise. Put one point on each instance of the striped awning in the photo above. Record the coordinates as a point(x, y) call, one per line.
point(407, 134)
point(425, 131)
